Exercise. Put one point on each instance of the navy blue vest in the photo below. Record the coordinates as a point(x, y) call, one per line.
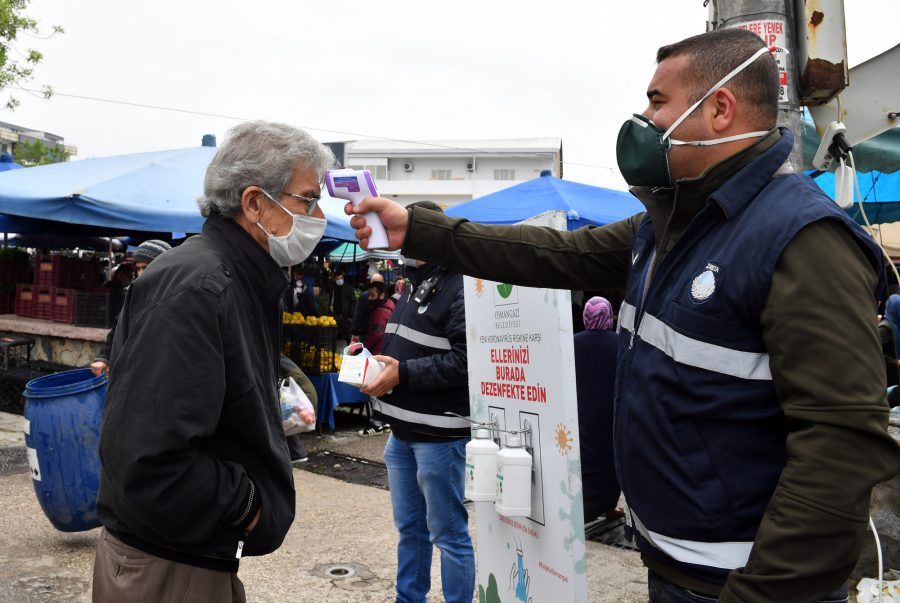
point(700, 436)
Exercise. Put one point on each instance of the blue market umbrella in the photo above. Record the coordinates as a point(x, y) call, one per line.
point(152, 192)
point(584, 204)
point(8, 163)
point(352, 252)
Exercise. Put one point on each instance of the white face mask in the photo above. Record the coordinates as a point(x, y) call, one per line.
point(338, 281)
point(299, 242)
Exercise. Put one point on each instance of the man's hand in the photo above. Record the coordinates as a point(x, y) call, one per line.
point(394, 217)
point(387, 380)
point(98, 367)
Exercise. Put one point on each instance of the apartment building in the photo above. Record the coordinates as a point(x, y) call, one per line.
point(11, 135)
point(450, 172)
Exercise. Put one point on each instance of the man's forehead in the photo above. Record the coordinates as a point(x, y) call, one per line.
point(667, 79)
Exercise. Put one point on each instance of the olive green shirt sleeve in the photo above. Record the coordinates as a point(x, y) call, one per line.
point(592, 257)
point(820, 331)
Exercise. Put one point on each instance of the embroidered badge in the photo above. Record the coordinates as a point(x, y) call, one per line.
point(704, 284)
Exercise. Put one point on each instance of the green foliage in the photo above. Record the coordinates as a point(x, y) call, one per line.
point(16, 72)
point(30, 154)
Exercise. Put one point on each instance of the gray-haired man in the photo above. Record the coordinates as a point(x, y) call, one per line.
point(195, 469)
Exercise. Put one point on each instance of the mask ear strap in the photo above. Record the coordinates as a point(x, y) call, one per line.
point(715, 87)
point(709, 143)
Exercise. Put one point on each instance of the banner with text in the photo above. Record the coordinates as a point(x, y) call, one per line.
point(522, 375)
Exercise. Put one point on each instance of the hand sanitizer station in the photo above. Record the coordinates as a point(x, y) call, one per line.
point(522, 389)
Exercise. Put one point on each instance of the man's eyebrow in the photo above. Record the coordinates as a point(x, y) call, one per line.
point(653, 92)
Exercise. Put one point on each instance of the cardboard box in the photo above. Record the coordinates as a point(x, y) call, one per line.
point(359, 370)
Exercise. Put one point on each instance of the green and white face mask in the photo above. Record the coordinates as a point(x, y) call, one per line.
point(642, 148)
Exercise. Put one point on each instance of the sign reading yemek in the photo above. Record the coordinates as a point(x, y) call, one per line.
point(522, 375)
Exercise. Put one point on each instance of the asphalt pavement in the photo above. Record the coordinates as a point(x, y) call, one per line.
point(340, 549)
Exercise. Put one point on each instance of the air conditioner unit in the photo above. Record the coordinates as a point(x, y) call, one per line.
point(407, 166)
point(470, 166)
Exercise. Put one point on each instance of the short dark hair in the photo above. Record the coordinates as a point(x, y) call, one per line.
point(712, 55)
point(427, 205)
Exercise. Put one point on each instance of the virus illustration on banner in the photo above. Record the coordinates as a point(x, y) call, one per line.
point(479, 287)
point(563, 439)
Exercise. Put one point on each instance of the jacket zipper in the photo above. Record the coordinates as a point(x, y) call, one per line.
point(660, 248)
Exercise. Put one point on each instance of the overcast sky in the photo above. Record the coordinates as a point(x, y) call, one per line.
point(346, 70)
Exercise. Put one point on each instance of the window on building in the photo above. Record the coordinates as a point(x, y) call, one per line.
point(441, 174)
point(504, 174)
point(379, 172)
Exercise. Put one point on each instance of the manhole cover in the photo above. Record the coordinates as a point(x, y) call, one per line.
point(351, 576)
point(347, 468)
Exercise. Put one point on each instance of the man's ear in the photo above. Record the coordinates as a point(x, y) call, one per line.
point(722, 108)
point(251, 199)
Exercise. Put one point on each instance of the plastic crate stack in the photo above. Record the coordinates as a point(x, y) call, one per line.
point(57, 279)
point(14, 268)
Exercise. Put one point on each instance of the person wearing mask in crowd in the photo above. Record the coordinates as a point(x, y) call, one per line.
point(425, 376)
point(195, 471)
point(360, 327)
point(343, 305)
point(751, 419)
point(143, 255)
point(300, 297)
point(380, 308)
point(595, 376)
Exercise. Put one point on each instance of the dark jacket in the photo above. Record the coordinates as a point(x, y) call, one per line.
point(191, 442)
point(694, 384)
point(595, 377)
point(429, 341)
point(828, 381)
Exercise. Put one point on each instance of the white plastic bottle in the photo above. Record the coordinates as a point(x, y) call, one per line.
point(481, 467)
point(513, 479)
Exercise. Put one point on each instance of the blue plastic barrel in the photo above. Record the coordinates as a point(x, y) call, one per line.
point(62, 433)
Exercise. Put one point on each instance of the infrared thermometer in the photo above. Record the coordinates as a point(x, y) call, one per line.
point(354, 186)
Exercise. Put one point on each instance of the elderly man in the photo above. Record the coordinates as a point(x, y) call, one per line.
point(195, 468)
point(751, 421)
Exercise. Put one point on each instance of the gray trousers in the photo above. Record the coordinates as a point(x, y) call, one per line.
point(124, 573)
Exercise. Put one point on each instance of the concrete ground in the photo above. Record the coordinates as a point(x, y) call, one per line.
point(342, 526)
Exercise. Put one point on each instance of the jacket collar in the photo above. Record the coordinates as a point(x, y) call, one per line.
point(741, 188)
point(248, 257)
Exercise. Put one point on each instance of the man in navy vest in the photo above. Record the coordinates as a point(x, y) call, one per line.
point(751, 419)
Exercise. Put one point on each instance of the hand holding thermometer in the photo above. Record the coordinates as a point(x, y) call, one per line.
point(354, 186)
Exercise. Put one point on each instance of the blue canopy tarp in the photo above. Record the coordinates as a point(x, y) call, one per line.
point(880, 193)
point(149, 192)
point(584, 204)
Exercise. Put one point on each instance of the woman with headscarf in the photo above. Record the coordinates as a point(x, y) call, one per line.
point(595, 374)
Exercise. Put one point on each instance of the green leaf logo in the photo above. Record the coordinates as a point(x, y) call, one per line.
point(504, 290)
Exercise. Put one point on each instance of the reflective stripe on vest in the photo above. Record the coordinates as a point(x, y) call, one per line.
point(431, 341)
point(724, 555)
point(443, 421)
point(693, 352)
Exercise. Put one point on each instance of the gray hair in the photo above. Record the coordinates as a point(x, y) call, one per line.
point(263, 154)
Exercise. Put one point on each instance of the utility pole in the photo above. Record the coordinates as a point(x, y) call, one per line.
point(773, 21)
